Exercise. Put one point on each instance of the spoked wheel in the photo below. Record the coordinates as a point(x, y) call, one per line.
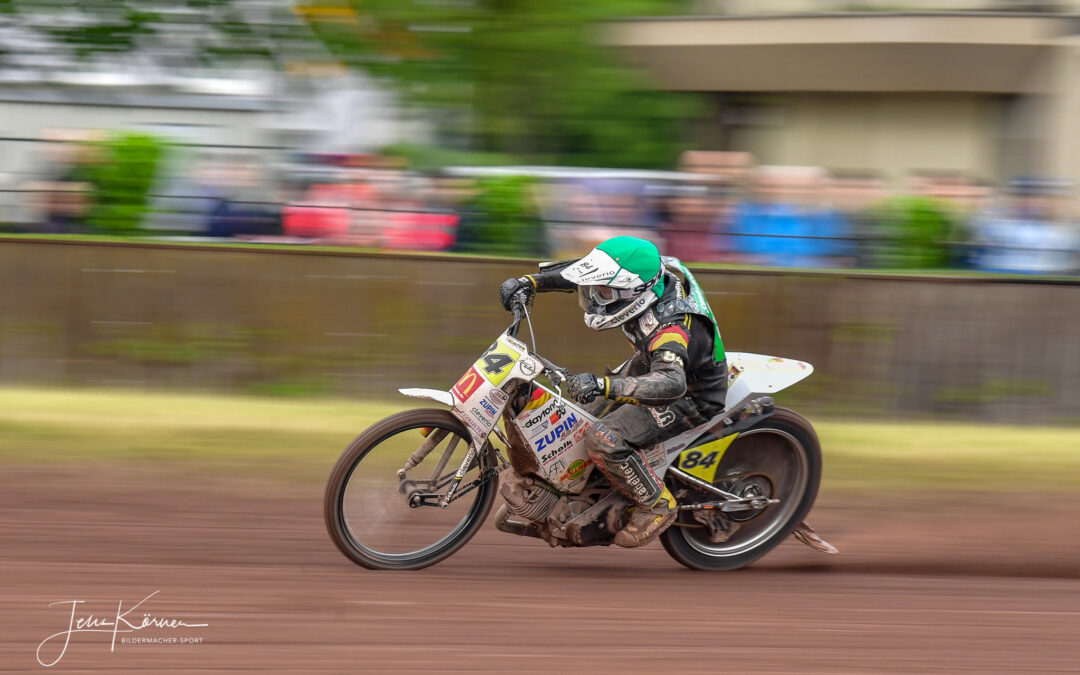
point(382, 521)
point(779, 458)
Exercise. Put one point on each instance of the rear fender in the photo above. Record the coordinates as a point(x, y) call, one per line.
point(751, 375)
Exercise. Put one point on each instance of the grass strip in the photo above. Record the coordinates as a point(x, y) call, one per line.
point(299, 439)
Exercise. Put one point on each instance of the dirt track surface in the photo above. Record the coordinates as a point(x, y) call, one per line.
point(918, 587)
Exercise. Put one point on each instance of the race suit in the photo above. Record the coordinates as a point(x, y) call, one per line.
point(672, 383)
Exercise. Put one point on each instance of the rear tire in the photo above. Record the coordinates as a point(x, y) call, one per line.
point(382, 467)
point(783, 432)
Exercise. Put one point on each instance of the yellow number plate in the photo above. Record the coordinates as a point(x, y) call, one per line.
point(704, 460)
point(497, 362)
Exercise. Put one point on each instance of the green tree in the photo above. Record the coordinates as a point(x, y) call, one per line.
point(122, 177)
point(502, 218)
point(525, 78)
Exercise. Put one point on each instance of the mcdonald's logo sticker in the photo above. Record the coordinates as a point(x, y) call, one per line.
point(467, 385)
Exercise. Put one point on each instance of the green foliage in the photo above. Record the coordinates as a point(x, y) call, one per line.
point(122, 177)
point(502, 218)
point(917, 233)
point(518, 77)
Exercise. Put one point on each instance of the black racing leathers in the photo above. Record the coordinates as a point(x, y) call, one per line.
point(671, 384)
point(674, 345)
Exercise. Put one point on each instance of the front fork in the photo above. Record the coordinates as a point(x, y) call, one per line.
point(425, 492)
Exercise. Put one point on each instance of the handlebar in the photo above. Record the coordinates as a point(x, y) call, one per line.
point(519, 307)
point(519, 314)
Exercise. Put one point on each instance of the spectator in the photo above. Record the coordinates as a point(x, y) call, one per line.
point(854, 193)
point(241, 206)
point(691, 216)
point(1031, 233)
point(64, 196)
point(785, 223)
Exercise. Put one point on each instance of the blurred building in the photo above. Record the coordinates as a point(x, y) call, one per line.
point(950, 85)
point(189, 78)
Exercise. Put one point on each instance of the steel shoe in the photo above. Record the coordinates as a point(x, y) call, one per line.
point(646, 524)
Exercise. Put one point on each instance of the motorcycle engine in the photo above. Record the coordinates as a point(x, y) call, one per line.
point(525, 497)
point(554, 517)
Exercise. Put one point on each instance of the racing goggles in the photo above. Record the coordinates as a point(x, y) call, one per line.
point(605, 295)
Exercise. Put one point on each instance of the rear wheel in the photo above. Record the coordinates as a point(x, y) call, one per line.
point(778, 458)
point(381, 521)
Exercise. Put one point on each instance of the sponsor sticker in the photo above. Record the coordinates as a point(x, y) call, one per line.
point(467, 385)
point(488, 408)
point(733, 372)
point(547, 457)
point(542, 417)
point(555, 434)
point(576, 469)
point(579, 434)
point(475, 421)
point(514, 342)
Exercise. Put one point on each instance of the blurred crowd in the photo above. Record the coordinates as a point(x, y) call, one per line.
point(716, 207)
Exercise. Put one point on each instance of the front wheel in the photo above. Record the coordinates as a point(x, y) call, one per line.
point(779, 458)
point(381, 520)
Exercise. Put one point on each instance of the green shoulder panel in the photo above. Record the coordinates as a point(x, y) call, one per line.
point(697, 297)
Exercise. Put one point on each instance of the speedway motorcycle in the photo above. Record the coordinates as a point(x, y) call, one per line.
point(414, 488)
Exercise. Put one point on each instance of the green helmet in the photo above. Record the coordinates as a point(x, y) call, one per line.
point(617, 281)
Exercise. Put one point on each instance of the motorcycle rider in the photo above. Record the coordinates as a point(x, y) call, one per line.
point(676, 380)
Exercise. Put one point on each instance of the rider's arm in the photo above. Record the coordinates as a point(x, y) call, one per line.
point(550, 279)
point(547, 279)
point(666, 380)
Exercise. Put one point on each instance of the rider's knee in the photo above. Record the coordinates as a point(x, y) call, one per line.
point(601, 442)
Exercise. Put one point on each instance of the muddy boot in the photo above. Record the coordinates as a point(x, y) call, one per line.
point(647, 523)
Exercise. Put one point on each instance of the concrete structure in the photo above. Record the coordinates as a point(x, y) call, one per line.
point(990, 94)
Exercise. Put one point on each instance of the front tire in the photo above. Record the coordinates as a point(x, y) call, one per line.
point(367, 511)
point(784, 449)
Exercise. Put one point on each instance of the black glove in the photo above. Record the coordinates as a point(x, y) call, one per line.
point(510, 287)
point(585, 387)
